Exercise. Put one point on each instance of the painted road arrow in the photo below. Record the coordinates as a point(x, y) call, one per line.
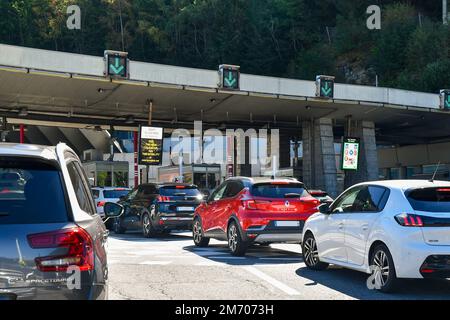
point(326, 90)
point(230, 81)
point(116, 68)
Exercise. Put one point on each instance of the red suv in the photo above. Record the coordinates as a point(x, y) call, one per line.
point(254, 210)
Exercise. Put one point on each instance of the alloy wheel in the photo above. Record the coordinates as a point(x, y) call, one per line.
point(197, 230)
point(381, 271)
point(311, 253)
point(146, 225)
point(232, 238)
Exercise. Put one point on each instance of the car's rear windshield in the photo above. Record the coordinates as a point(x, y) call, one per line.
point(430, 199)
point(31, 192)
point(181, 191)
point(279, 190)
point(115, 194)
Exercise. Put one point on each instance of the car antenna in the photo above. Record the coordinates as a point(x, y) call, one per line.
point(435, 171)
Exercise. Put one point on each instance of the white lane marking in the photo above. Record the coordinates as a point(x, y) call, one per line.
point(210, 264)
point(286, 289)
point(160, 263)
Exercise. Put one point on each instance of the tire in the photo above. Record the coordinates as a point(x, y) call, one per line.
point(147, 228)
point(311, 255)
point(197, 234)
point(118, 228)
point(384, 269)
point(236, 244)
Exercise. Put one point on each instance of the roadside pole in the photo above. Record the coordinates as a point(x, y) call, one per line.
point(136, 167)
point(150, 114)
point(22, 133)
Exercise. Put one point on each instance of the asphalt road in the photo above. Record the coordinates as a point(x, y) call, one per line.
point(171, 267)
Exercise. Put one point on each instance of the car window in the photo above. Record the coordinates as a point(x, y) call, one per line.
point(31, 192)
point(115, 194)
point(218, 194)
point(430, 199)
point(146, 190)
point(275, 190)
point(132, 194)
point(233, 188)
point(79, 185)
point(96, 193)
point(345, 202)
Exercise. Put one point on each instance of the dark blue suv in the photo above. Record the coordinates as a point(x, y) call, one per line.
point(158, 208)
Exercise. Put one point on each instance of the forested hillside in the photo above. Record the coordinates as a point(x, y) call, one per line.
point(290, 38)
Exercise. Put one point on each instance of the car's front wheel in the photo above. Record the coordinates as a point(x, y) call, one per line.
point(197, 234)
point(311, 254)
point(236, 244)
point(384, 276)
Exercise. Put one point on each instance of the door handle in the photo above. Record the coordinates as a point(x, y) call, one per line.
point(341, 226)
point(365, 227)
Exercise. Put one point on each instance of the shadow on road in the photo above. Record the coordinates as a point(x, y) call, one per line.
point(255, 255)
point(353, 283)
point(137, 236)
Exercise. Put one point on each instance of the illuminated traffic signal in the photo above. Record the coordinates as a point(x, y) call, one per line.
point(116, 64)
point(325, 87)
point(229, 77)
point(445, 99)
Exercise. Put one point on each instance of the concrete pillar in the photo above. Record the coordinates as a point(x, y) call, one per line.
point(285, 151)
point(319, 160)
point(244, 170)
point(368, 156)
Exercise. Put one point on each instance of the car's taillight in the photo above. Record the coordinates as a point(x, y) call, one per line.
point(163, 199)
point(79, 246)
point(101, 203)
point(409, 220)
point(255, 204)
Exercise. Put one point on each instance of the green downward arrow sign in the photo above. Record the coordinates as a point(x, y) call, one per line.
point(116, 68)
point(230, 81)
point(326, 90)
point(447, 102)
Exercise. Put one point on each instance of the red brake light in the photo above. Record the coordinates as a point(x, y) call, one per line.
point(409, 220)
point(79, 246)
point(280, 182)
point(163, 199)
point(180, 187)
point(255, 204)
point(443, 190)
point(101, 204)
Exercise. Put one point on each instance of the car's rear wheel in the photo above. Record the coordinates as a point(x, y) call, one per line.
point(236, 244)
point(118, 228)
point(147, 228)
point(197, 234)
point(383, 269)
point(311, 254)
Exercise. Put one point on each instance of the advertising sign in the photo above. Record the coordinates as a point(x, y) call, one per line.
point(350, 153)
point(150, 146)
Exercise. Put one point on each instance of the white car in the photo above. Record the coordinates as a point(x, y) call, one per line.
point(389, 229)
point(103, 195)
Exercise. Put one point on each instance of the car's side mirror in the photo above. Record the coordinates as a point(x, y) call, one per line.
point(324, 208)
point(113, 210)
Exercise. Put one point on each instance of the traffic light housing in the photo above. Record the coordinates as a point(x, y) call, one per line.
point(325, 87)
point(116, 64)
point(445, 99)
point(229, 77)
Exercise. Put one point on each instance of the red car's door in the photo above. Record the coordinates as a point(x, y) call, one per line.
point(227, 204)
point(209, 220)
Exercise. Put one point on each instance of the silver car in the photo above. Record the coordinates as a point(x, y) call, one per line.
point(52, 241)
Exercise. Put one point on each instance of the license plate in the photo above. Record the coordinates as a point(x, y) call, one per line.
point(287, 223)
point(185, 208)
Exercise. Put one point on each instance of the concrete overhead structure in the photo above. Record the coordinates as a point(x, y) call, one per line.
point(65, 89)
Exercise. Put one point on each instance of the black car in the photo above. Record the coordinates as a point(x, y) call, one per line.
point(158, 208)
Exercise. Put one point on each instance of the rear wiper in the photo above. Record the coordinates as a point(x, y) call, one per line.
point(292, 195)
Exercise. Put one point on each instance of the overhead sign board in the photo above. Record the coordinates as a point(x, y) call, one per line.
point(116, 64)
point(350, 153)
point(229, 77)
point(150, 145)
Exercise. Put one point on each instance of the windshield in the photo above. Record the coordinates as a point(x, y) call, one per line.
point(272, 190)
point(180, 191)
point(430, 199)
point(30, 192)
point(115, 194)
